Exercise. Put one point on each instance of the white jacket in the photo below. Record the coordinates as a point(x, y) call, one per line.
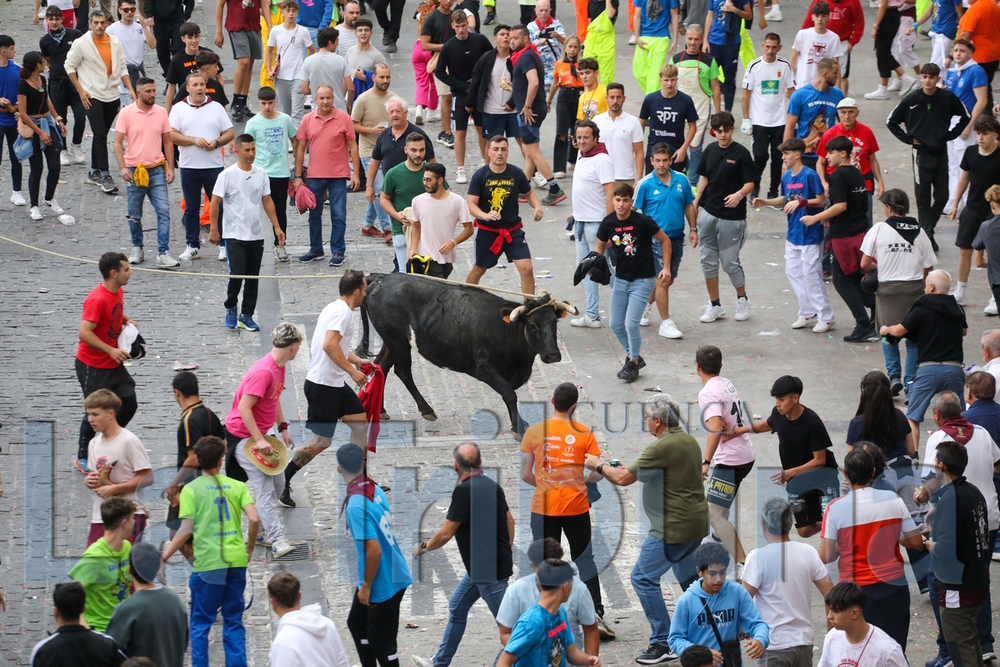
point(85, 60)
point(306, 638)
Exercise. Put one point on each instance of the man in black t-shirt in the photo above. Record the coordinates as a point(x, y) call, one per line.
point(207, 62)
point(808, 466)
point(61, 91)
point(848, 223)
point(483, 528)
point(185, 62)
point(436, 31)
point(726, 174)
point(498, 221)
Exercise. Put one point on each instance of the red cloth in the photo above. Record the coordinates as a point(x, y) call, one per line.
point(959, 429)
point(516, 55)
point(596, 150)
point(547, 23)
point(503, 235)
point(360, 485)
point(371, 397)
point(848, 253)
point(305, 200)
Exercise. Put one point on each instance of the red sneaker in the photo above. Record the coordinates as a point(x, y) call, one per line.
point(387, 235)
point(370, 231)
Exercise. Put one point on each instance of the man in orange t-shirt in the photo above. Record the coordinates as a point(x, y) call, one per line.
point(981, 24)
point(553, 452)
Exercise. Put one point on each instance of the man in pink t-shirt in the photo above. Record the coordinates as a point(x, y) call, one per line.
point(728, 458)
point(328, 133)
point(142, 139)
point(257, 410)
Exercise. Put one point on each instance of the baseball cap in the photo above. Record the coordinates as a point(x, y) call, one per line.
point(847, 103)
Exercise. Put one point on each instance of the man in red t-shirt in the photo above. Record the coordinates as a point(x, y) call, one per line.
point(98, 359)
point(863, 157)
point(243, 25)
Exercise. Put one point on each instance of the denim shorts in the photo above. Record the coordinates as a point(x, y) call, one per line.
point(676, 252)
point(530, 134)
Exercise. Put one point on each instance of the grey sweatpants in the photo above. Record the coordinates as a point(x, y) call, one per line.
point(793, 656)
point(720, 241)
point(290, 98)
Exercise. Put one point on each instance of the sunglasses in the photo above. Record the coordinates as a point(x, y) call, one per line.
point(126, 10)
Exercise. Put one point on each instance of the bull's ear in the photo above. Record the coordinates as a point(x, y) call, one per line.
point(506, 311)
point(563, 313)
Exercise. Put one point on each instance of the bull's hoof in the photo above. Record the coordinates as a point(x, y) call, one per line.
point(430, 416)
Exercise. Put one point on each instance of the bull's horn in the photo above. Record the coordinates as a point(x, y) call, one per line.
point(562, 305)
point(516, 313)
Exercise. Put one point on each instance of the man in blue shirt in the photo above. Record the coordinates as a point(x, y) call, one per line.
point(655, 41)
point(374, 616)
point(944, 27)
point(9, 76)
point(812, 110)
point(665, 196)
point(726, 20)
point(968, 81)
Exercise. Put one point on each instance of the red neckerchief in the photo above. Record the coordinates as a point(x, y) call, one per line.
point(516, 55)
point(958, 429)
point(543, 27)
point(360, 485)
point(596, 150)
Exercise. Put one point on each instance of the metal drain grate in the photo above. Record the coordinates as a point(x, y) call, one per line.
point(303, 551)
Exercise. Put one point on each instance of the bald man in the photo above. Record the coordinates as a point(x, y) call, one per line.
point(489, 562)
point(990, 342)
point(937, 324)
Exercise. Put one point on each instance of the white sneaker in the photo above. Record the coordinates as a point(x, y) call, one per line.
point(742, 309)
point(991, 307)
point(559, 175)
point(880, 93)
point(17, 199)
point(644, 320)
point(822, 327)
point(308, 103)
point(631, 39)
point(35, 213)
point(166, 260)
point(669, 330)
point(417, 661)
point(53, 206)
point(539, 180)
point(906, 84)
point(137, 255)
point(66, 219)
point(803, 322)
point(432, 116)
point(189, 254)
point(894, 85)
point(712, 313)
point(460, 176)
point(64, 159)
point(418, 115)
point(773, 15)
point(222, 253)
point(959, 296)
point(76, 154)
point(281, 548)
point(584, 321)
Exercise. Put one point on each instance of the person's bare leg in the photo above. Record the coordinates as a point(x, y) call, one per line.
point(242, 76)
point(358, 423)
point(964, 264)
point(662, 296)
point(460, 147)
point(718, 516)
point(741, 291)
point(475, 275)
point(538, 160)
point(446, 113)
point(527, 275)
point(713, 288)
point(981, 259)
point(482, 142)
point(842, 84)
point(915, 429)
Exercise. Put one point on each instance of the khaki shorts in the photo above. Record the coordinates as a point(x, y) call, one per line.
point(441, 87)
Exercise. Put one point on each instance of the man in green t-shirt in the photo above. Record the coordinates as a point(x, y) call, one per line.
point(103, 568)
point(211, 508)
point(401, 184)
point(674, 500)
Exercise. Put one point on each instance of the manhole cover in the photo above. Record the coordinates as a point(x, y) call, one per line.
point(302, 551)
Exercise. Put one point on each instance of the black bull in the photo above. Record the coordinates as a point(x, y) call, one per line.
point(461, 328)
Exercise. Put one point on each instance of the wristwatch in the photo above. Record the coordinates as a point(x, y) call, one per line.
point(706, 462)
point(599, 469)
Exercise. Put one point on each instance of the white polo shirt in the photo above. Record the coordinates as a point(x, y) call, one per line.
point(619, 135)
point(208, 121)
point(589, 177)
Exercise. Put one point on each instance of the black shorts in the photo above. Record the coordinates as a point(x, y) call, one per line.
point(724, 481)
point(516, 249)
point(969, 223)
point(328, 405)
point(809, 494)
point(461, 115)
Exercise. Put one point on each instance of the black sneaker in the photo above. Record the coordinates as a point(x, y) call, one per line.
point(385, 40)
point(655, 654)
point(555, 196)
point(95, 178)
point(391, 47)
point(449, 140)
point(631, 371)
point(491, 16)
point(311, 256)
point(896, 384)
point(108, 186)
point(861, 334)
point(442, 138)
point(604, 630)
point(285, 499)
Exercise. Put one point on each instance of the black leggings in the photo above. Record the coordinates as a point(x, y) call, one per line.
point(64, 96)
point(374, 629)
point(849, 289)
point(886, 32)
point(279, 195)
point(115, 379)
point(577, 529)
point(567, 101)
point(51, 153)
point(10, 134)
point(102, 117)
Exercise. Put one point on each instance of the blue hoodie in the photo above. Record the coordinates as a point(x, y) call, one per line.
point(733, 609)
point(315, 13)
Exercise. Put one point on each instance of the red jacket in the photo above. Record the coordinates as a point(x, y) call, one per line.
point(847, 19)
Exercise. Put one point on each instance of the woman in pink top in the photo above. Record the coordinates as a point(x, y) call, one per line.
point(427, 97)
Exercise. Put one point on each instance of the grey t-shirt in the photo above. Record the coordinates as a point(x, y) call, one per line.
point(345, 40)
point(327, 69)
point(694, 11)
point(366, 60)
point(495, 97)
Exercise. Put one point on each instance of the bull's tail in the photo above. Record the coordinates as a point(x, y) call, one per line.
point(363, 350)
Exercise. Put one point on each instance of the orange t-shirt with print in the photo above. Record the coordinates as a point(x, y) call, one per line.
point(559, 447)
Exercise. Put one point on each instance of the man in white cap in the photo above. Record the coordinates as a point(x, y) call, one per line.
point(865, 147)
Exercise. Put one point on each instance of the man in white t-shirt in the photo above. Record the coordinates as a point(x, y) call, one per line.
point(853, 641)
point(813, 44)
point(779, 578)
point(767, 85)
point(132, 31)
point(286, 44)
point(435, 215)
point(593, 200)
point(622, 135)
point(200, 128)
point(244, 187)
point(330, 363)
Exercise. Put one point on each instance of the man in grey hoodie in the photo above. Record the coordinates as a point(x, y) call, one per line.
point(305, 636)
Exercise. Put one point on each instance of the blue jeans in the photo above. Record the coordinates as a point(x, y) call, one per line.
point(157, 193)
point(928, 381)
point(193, 181)
point(628, 300)
point(694, 159)
point(375, 208)
point(655, 558)
point(210, 592)
point(465, 595)
point(337, 188)
point(314, 34)
point(893, 365)
point(586, 241)
point(728, 57)
point(984, 621)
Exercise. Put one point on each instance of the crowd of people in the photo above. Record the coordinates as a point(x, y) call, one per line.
point(642, 187)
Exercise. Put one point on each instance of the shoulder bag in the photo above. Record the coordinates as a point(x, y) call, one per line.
point(731, 653)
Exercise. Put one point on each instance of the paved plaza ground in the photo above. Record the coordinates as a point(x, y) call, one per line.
point(44, 511)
